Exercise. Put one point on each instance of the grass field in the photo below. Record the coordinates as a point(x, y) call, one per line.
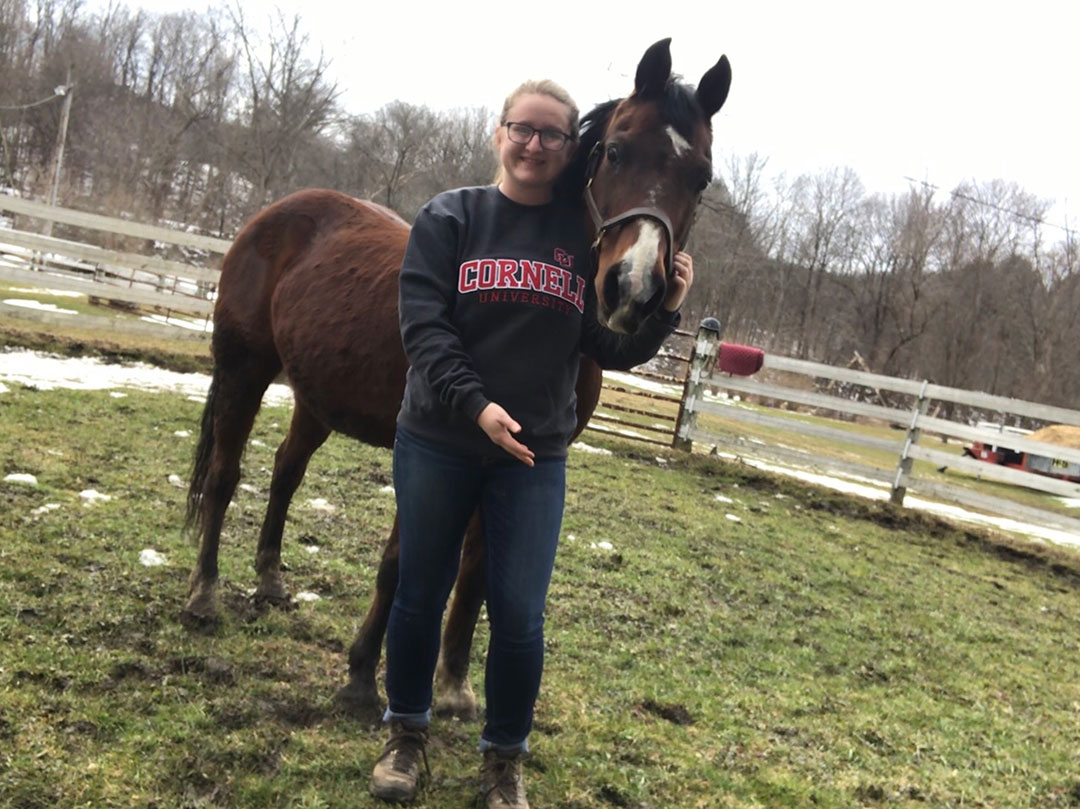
point(745, 641)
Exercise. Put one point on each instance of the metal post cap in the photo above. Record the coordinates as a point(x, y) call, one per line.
point(711, 324)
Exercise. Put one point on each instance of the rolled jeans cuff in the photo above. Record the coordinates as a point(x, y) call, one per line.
point(520, 747)
point(409, 720)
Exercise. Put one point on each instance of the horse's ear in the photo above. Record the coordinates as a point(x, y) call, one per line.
point(713, 88)
point(654, 69)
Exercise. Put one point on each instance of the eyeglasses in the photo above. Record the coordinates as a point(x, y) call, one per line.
point(551, 139)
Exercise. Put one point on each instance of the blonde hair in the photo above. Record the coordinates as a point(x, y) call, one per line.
point(543, 87)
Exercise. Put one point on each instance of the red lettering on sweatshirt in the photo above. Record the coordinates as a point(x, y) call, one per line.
point(535, 276)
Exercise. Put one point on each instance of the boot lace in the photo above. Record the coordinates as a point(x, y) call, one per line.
point(405, 748)
point(504, 777)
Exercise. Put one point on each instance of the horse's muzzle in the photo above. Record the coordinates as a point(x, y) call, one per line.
point(624, 305)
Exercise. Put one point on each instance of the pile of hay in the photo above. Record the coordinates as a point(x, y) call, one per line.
point(1061, 434)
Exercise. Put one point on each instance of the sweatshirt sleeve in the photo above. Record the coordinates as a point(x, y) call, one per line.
point(426, 293)
point(622, 352)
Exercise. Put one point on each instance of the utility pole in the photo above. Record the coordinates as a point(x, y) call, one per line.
point(67, 91)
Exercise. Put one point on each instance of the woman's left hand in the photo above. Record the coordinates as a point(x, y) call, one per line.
point(680, 282)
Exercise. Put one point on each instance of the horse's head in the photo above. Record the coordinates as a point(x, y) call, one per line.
point(648, 158)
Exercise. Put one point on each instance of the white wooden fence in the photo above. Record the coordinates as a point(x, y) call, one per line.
point(135, 279)
point(906, 447)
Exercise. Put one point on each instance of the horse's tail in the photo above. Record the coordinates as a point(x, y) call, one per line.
point(203, 453)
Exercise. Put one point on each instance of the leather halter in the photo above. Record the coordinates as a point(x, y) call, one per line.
point(602, 225)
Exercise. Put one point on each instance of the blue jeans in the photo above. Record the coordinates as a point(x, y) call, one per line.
point(521, 507)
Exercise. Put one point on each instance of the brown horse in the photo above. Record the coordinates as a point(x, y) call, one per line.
point(309, 287)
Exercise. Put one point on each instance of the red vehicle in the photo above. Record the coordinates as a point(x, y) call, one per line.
point(1003, 455)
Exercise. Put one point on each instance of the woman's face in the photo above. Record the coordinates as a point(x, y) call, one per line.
point(529, 170)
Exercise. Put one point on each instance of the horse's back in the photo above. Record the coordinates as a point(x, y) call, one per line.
point(313, 279)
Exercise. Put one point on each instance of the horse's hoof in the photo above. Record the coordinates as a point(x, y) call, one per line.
point(459, 703)
point(198, 619)
point(271, 590)
point(200, 609)
point(359, 702)
point(280, 599)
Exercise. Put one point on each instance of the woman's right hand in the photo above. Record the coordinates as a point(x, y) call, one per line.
point(499, 427)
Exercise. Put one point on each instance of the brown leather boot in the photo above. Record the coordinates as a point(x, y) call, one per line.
point(397, 772)
point(501, 782)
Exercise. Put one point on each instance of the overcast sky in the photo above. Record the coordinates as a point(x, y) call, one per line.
point(940, 91)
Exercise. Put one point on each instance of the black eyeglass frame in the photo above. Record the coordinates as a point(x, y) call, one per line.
point(566, 136)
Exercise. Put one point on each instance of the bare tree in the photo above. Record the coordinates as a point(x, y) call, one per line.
point(289, 101)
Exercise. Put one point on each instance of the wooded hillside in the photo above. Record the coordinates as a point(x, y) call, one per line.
point(202, 119)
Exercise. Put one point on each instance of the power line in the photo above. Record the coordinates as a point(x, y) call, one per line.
point(60, 93)
point(1070, 232)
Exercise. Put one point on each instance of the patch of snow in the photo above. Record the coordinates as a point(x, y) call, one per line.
point(570, 537)
point(387, 490)
point(117, 395)
point(1068, 502)
point(311, 548)
point(581, 446)
point(660, 460)
point(148, 557)
point(733, 518)
point(182, 433)
point(722, 498)
point(602, 546)
point(642, 384)
point(320, 504)
point(39, 306)
point(21, 477)
point(306, 596)
point(45, 509)
point(52, 293)
point(176, 481)
point(255, 442)
point(3, 388)
point(247, 487)
point(90, 496)
point(47, 371)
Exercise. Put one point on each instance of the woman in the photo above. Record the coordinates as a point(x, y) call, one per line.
point(495, 309)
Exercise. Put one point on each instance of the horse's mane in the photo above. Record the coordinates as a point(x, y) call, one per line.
point(678, 107)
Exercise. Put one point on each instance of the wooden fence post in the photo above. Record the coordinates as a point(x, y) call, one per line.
point(702, 361)
point(903, 468)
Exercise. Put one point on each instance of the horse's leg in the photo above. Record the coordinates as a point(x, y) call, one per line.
point(306, 434)
point(231, 405)
point(453, 694)
point(359, 696)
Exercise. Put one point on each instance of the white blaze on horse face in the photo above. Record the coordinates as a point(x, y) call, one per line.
point(677, 141)
point(642, 256)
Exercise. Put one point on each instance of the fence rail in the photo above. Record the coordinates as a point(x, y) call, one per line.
point(112, 224)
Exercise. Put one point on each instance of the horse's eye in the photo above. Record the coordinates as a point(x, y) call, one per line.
point(612, 154)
